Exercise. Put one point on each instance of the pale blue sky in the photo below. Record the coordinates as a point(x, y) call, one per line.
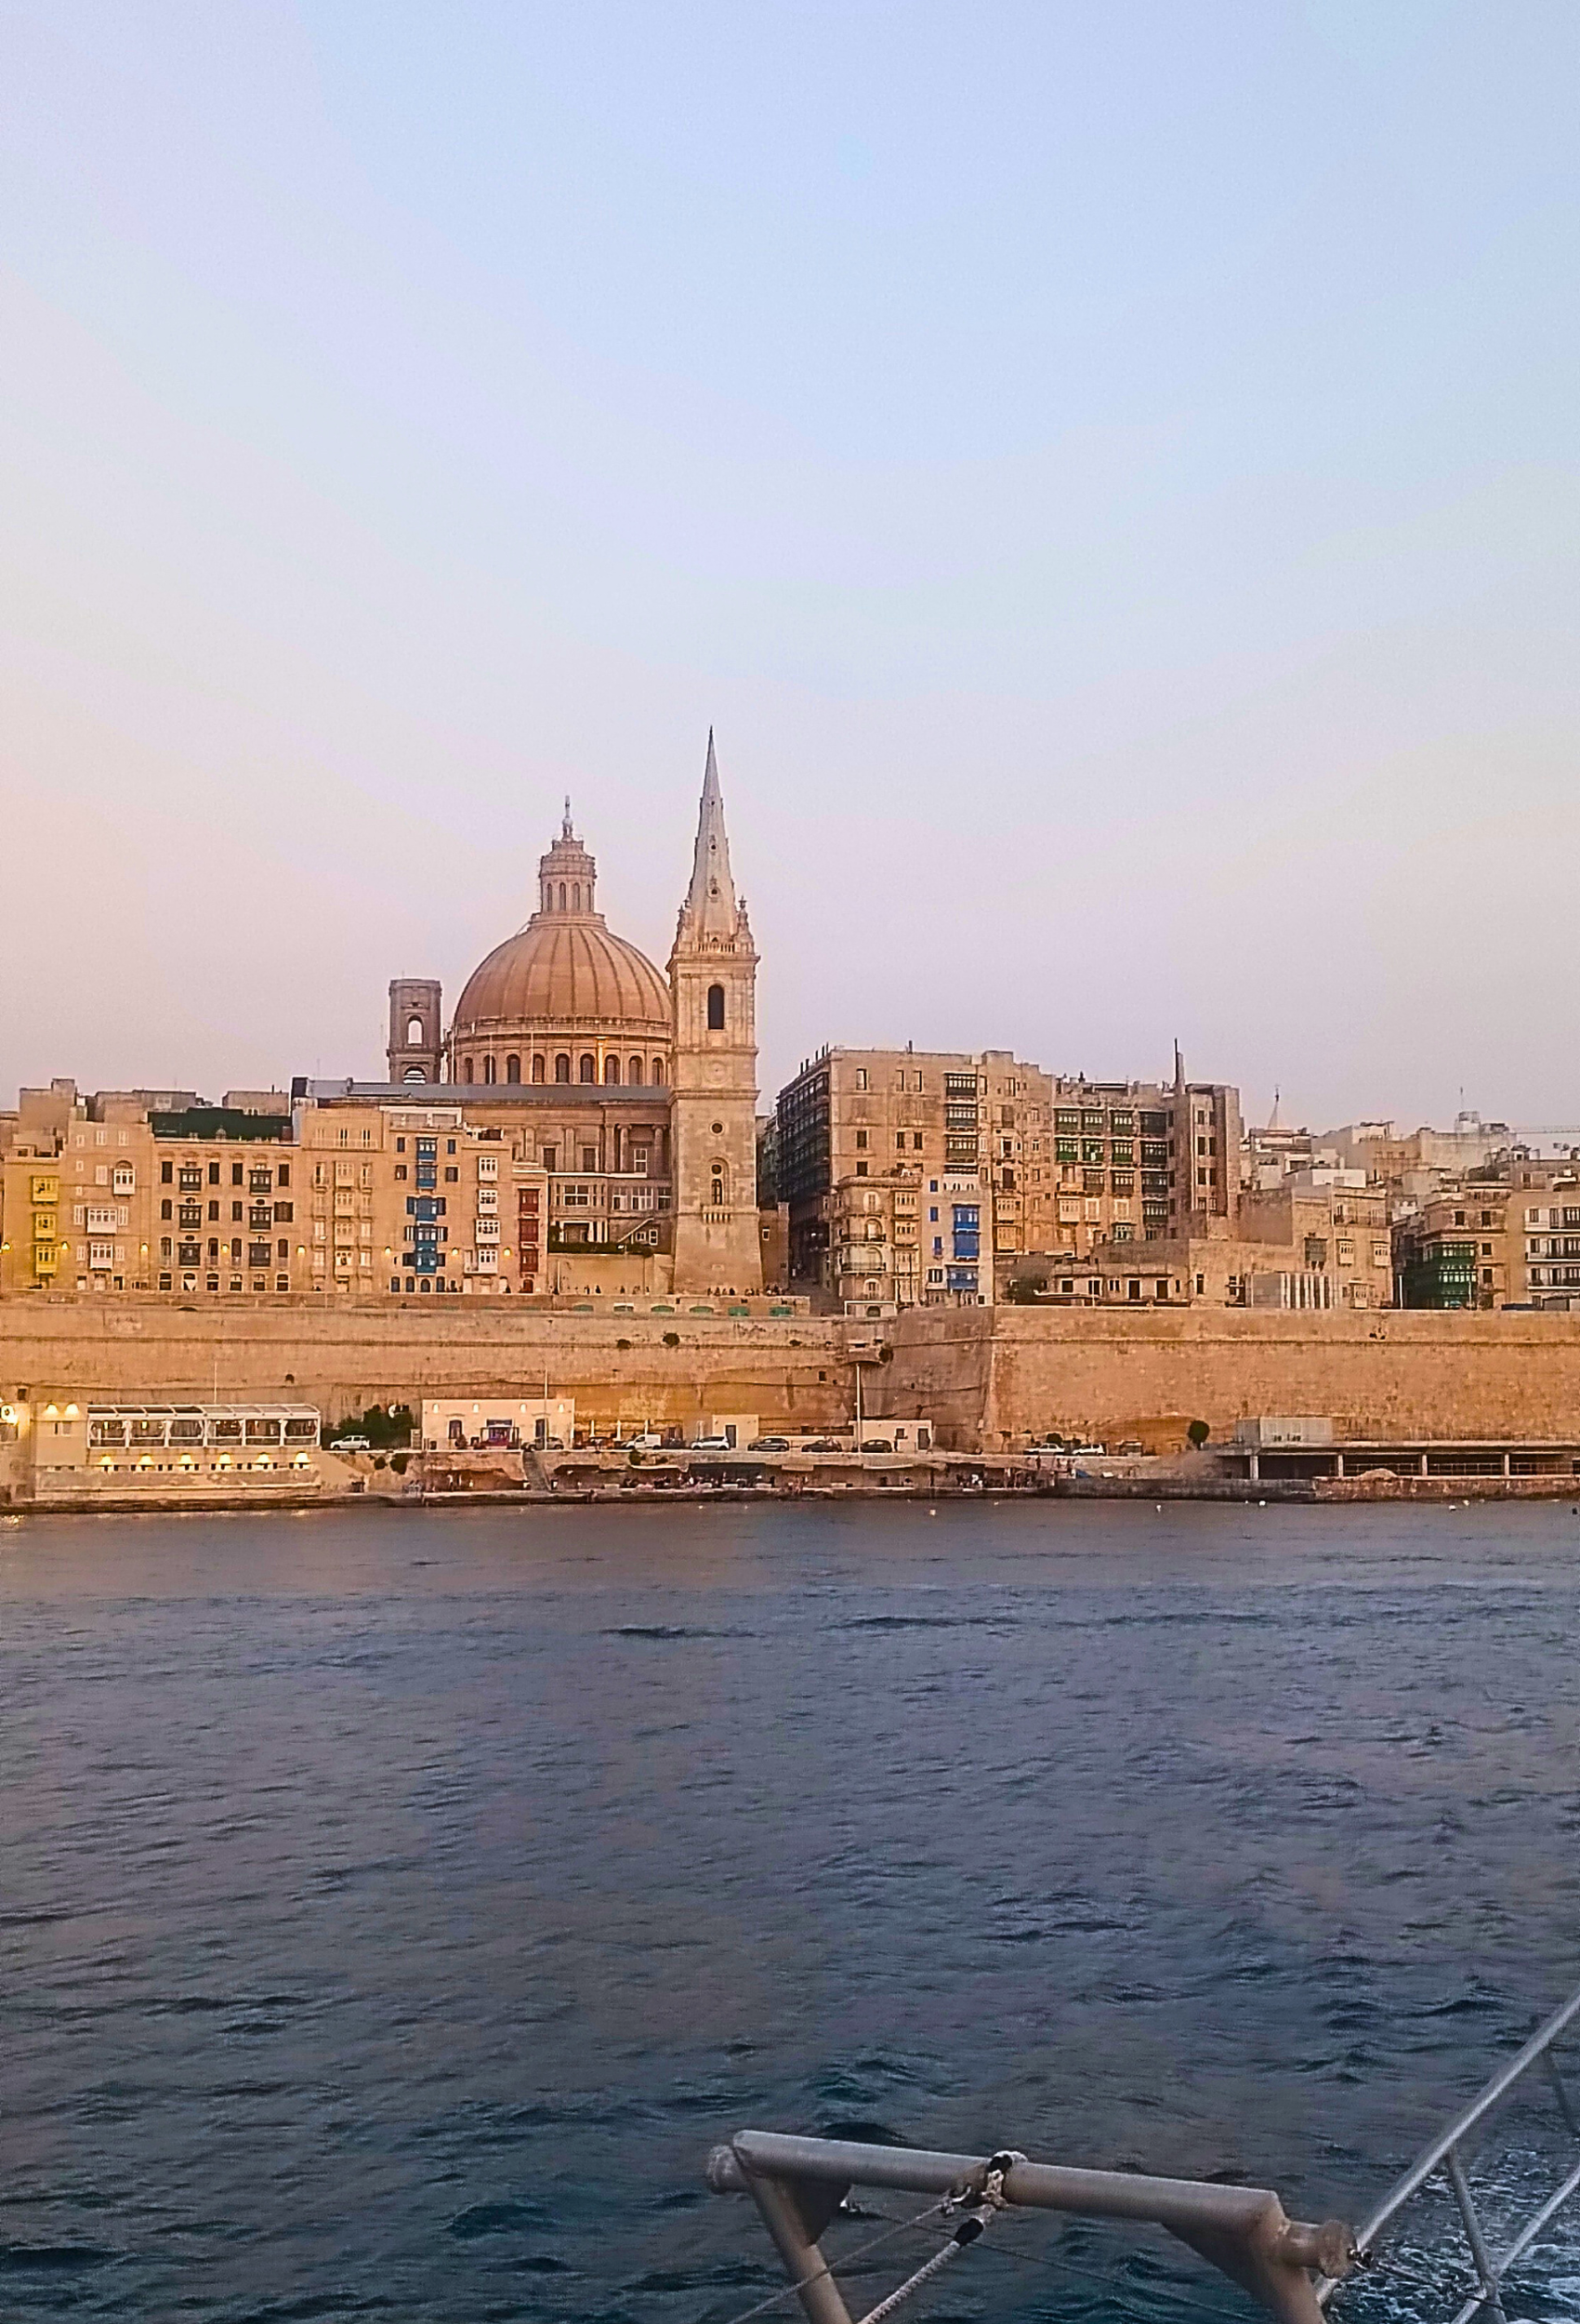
point(1108, 472)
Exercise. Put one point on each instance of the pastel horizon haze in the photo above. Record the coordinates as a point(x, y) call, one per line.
point(1108, 477)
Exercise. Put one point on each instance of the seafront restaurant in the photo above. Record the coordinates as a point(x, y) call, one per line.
point(77, 1445)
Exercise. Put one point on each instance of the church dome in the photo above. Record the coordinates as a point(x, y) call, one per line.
point(565, 970)
point(560, 971)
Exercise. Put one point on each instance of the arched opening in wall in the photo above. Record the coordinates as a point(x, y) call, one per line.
point(634, 1071)
point(414, 1033)
point(719, 1183)
point(466, 1069)
point(612, 1070)
point(576, 895)
point(413, 1073)
point(716, 1007)
point(562, 895)
point(562, 1067)
point(512, 1069)
point(488, 1069)
point(658, 1073)
point(537, 1068)
point(587, 1070)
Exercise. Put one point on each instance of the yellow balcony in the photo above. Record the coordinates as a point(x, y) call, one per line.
point(45, 1259)
point(46, 1190)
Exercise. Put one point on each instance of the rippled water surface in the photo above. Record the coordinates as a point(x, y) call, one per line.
point(394, 1908)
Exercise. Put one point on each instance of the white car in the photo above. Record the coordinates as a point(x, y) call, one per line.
point(349, 1443)
point(648, 1443)
point(710, 1444)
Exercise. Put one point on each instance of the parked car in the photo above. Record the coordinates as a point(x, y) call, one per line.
point(768, 1443)
point(877, 1444)
point(349, 1443)
point(824, 1444)
point(648, 1441)
point(1090, 1450)
point(1131, 1446)
point(710, 1444)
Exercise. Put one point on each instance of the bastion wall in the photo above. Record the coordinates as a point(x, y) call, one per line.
point(993, 1376)
point(989, 1376)
point(344, 1357)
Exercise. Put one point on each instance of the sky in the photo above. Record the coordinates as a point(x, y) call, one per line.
point(1108, 474)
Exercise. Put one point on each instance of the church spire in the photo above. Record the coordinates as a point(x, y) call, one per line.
point(710, 900)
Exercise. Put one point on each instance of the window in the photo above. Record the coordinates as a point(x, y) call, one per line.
point(860, 1169)
point(587, 1070)
point(658, 1073)
point(611, 1072)
point(562, 1067)
point(488, 1070)
point(466, 1069)
point(861, 1076)
point(716, 1007)
point(860, 1141)
point(589, 1158)
point(166, 1173)
point(513, 1068)
point(634, 1071)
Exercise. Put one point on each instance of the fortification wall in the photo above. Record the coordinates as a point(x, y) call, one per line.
point(991, 1376)
point(344, 1357)
point(988, 1376)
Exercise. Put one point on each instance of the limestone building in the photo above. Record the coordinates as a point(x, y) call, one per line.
point(928, 1178)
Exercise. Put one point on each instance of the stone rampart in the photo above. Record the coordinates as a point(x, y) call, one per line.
point(993, 1376)
point(344, 1357)
point(989, 1376)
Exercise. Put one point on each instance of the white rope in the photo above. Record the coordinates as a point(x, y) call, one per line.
point(975, 2221)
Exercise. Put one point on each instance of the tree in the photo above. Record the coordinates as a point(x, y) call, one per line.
point(1198, 1432)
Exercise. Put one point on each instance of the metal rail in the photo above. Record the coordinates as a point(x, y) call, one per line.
point(799, 2183)
point(1447, 2154)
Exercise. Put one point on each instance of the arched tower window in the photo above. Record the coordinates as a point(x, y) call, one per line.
point(658, 1073)
point(719, 1181)
point(488, 1069)
point(587, 1070)
point(562, 1067)
point(413, 1073)
point(634, 1071)
point(466, 1070)
point(415, 1033)
point(716, 1007)
point(611, 1069)
point(576, 895)
point(512, 1069)
point(538, 1067)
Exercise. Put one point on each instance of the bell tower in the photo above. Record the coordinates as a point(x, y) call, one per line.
point(416, 1040)
point(713, 973)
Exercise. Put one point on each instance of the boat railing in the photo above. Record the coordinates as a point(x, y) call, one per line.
point(1449, 2160)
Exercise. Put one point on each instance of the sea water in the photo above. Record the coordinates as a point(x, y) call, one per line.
point(395, 1906)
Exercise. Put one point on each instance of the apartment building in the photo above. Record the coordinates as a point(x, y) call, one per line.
point(1504, 1237)
point(1319, 1240)
point(359, 1193)
point(1047, 1163)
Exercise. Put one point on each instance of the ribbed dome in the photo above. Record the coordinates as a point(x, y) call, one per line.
point(563, 969)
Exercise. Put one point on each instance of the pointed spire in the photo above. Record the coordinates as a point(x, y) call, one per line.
point(566, 832)
point(710, 900)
